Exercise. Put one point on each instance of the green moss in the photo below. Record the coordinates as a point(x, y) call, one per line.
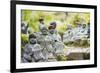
point(61, 58)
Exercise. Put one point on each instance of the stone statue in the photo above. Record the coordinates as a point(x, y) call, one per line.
point(32, 50)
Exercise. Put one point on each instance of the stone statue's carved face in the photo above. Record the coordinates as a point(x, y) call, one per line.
point(84, 26)
point(52, 31)
point(33, 41)
point(44, 31)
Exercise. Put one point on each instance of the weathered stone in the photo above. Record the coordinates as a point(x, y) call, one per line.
point(75, 56)
point(75, 34)
point(59, 46)
point(68, 36)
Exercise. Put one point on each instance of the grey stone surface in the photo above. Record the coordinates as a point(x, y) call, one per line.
point(75, 56)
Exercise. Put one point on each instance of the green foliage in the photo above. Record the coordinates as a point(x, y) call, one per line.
point(24, 40)
point(26, 15)
point(61, 58)
point(24, 37)
point(62, 18)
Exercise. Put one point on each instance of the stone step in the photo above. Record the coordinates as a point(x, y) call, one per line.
point(76, 50)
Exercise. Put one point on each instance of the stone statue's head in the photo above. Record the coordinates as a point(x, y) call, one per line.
point(84, 26)
point(32, 39)
point(69, 27)
point(52, 27)
point(52, 31)
point(44, 31)
point(53, 24)
point(41, 20)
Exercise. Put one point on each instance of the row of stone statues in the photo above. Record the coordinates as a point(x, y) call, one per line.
point(43, 46)
point(80, 32)
point(46, 45)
